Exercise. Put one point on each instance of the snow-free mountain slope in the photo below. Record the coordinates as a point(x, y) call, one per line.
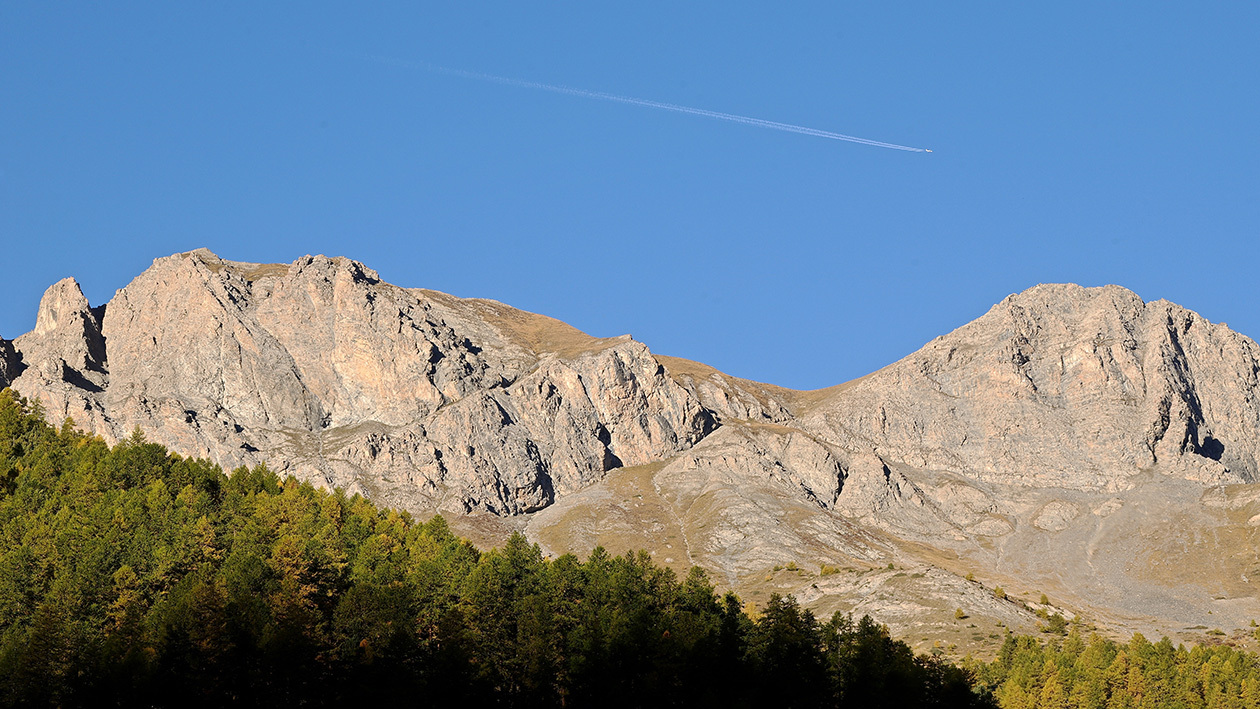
point(1073, 441)
point(1064, 386)
point(323, 370)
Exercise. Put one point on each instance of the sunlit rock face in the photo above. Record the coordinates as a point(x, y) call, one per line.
point(321, 369)
point(434, 402)
point(1064, 386)
point(1072, 439)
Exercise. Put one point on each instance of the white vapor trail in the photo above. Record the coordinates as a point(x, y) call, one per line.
point(734, 118)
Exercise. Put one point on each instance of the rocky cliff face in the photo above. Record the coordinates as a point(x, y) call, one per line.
point(321, 369)
point(62, 361)
point(1031, 442)
point(1064, 386)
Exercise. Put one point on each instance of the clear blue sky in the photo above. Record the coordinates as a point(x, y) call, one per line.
point(1087, 142)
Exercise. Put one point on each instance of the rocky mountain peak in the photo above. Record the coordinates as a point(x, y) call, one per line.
point(1063, 411)
point(66, 346)
point(63, 304)
point(1064, 385)
point(321, 369)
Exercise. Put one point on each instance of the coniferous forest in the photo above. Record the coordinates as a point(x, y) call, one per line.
point(1081, 673)
point(131, 576)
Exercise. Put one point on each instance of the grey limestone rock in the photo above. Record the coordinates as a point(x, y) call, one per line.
point(1045, 440)
point(731, 398)
point(62, 361)
point(435, 402)
point(1064, 386)
point(321, 369)
point(68, 331)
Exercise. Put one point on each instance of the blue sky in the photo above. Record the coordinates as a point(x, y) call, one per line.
point(1086, 142)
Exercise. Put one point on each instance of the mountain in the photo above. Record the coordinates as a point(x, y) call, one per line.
point(1076, 442)
point(319, 368)
point(1065, 386)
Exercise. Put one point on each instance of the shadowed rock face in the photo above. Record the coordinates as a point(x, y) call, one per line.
point(9, 364)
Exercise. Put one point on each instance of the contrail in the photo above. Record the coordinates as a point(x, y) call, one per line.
point(734, 118)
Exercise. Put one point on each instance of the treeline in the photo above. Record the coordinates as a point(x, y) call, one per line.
point(1096, 673)
point(130, 576)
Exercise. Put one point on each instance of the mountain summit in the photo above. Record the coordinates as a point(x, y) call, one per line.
point(1065, 386)
point(1046, 444)
point(321, 369)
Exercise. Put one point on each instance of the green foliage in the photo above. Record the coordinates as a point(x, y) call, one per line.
point(1056, 624)
point(1076, 672)
point(130, 576)
point(867, 668)
point(999, 592)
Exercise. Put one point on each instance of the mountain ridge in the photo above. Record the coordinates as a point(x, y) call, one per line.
point(1054, 416)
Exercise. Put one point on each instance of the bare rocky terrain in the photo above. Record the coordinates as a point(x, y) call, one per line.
point(1076, 442)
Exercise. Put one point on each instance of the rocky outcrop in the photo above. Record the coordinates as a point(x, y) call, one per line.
point(1076, 440)
point(1064, 386)
point(321, 369)
point(428, 401)
point(67, 329)
point(729, 397)
point(62, 361)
